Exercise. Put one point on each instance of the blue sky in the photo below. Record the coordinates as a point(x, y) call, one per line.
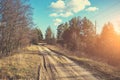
point(54, 12)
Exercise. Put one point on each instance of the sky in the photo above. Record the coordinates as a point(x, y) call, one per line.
point(54, 12)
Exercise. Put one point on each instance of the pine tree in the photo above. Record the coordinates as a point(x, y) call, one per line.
point(48, 35)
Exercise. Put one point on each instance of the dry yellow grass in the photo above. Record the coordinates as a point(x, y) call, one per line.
point(20, 66)
point(100, 69)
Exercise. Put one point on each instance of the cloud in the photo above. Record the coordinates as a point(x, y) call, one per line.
point(92, 9)
point(66, 8)
point(78, 5)
point(54, 15)
point(57, 21)
point(60, 4)
point(67, 14)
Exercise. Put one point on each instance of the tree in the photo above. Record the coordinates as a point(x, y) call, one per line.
point(109, 39)
point(36, 36)
point(80, 35)
point(71, 35)
point(60, 30)
point(48, 35)
point(88, 34)
point(39, 34)
point(15, 21)
point(53, 39)
point(109, 44)
point(88, 29)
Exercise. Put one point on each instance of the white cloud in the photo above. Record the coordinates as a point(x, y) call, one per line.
point(58, 5)
point(92, 9)
point(67, 14)
point(54, 15)
point(78, 5)
point(57, 21)
point(66, 8)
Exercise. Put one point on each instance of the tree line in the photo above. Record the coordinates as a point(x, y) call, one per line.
point(16, 23)
point(79, 34)
point(16, 27)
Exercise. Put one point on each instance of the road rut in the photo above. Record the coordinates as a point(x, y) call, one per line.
point(57, 67)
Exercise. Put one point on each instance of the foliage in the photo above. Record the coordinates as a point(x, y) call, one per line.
point(36, 36)
point(81, 36)
point(60, 30)
point(15, 26)
point(49, 36)
point(109, 44)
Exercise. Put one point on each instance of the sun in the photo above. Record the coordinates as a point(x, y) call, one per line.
point(116, 23)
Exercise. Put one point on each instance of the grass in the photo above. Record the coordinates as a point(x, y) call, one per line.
point(25, 66)
point(20, 66)
point(98, 69)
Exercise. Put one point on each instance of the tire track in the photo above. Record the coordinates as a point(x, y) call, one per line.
point(71, 74)
point(47, 69)
point(58, 67)
point(81, 73)
point(63, 68)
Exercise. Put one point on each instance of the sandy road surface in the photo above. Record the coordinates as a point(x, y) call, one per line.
point(57, 67)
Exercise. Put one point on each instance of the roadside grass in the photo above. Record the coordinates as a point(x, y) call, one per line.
point(20, 66)
point(98, 69)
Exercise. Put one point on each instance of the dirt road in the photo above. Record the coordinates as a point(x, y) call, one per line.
point(57, 67)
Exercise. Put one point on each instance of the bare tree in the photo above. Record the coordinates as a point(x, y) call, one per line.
point(15, 19)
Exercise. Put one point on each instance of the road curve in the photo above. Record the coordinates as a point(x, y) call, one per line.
point(57, 67)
